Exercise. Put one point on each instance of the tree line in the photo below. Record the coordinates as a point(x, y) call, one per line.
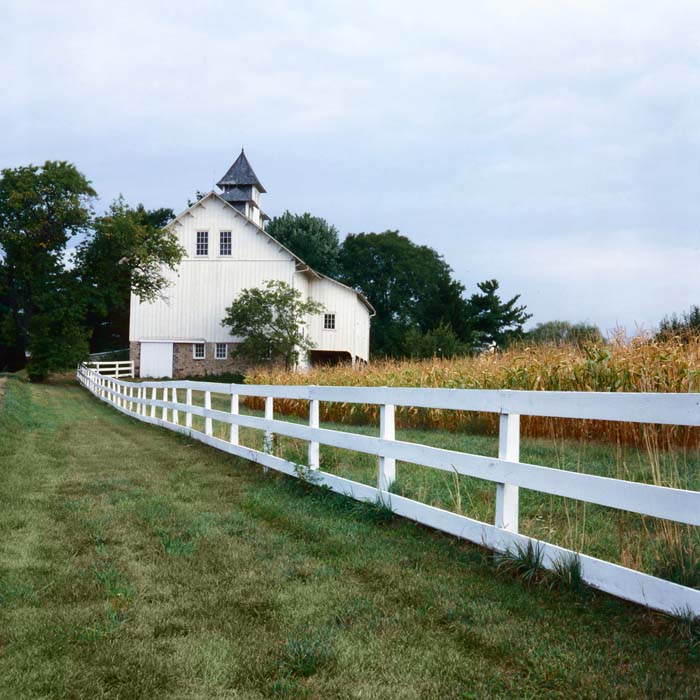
point(422, 310)
point(67, 272)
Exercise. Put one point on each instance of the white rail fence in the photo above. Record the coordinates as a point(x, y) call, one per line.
point(161, 403)
point(118, 369)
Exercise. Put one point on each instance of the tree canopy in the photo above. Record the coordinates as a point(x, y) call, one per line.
point(50, 302)
point(687, 324)
point(416, 297)
point(563, 332)
point(409, 285)
point(41, 209)
point(271, 321)
point(492, 321)
point(312, 238)
point(126, 252)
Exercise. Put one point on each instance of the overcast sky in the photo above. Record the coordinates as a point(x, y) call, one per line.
point(552, 145)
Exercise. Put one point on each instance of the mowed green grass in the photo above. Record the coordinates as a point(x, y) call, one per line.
point(647, 544)
point(135, 563)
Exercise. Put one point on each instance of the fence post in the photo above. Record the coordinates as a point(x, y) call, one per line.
point(509, 450)
point(164, 414)
point(268, 438)
point(188, 415)
point(234, 428)
point(176, 413)
point(387, 431)
point(153, 406)
point(314, 454)
point(139, 406)
point(131, 398)
point(207, 421)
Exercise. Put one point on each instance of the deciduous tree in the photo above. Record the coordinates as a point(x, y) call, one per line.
point(271, 320)
point(41, 209)
point(128, 251)
point(312, 238)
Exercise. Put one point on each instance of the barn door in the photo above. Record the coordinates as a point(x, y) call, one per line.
point(156, 360)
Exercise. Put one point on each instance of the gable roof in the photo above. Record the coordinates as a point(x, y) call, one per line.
point(240, 174)
point(301, 266)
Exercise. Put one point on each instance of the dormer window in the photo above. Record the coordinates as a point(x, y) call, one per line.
point(202, 243)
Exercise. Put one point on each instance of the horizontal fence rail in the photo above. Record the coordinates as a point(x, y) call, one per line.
point(162, 403)
point(117, 368)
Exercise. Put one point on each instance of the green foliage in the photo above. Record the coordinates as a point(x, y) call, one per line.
point(410, 286)
point(41, 210)
point(438, 342)
point(523, 562)
point(685, 325)
point(58, 338)
point(48, 308)
point(420, 307)
point(678, 559)
point(271, 320)
point(126, 252)
point(564, 332)
point(312, 238)
point(566, 574)
point(493, 321)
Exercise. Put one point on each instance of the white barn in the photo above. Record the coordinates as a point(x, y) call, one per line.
point(228, 250)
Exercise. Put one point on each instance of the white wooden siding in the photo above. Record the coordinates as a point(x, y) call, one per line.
point(351, 332)
point(204, 286)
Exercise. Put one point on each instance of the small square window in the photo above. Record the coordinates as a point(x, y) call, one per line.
point(202, 242)
point(198, 352)
point(328, 322)
point(221, 351)
point(224, 243)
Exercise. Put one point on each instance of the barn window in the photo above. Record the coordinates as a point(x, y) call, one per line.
point(202, 242)
point(198, 352)
point(221, 351)
point(329, 322)
point(224, 243)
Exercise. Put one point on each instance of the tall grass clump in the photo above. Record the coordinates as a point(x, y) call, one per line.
point(670, 364)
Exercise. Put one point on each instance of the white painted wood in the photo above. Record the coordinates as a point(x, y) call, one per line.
point(188, 414)
point(176, 413)
point(509, 451)
point(673, 504)
point(314, 448)
point(203, 286)
point(233, 435)
point(156, 360)
point(207, 421)
point(387, 431)
point(164, 415)
point(268, 439)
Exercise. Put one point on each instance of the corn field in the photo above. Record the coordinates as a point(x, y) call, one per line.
point(670, 365)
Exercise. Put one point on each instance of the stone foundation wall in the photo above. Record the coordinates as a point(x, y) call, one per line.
point(184, 364)
point(135, 356)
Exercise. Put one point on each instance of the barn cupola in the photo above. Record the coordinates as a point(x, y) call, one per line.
point(242, 189)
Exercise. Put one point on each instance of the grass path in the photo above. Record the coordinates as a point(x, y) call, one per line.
point(135, 563)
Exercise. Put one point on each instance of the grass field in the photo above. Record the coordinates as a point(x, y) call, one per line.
point(135, 563)
point(654, 546)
